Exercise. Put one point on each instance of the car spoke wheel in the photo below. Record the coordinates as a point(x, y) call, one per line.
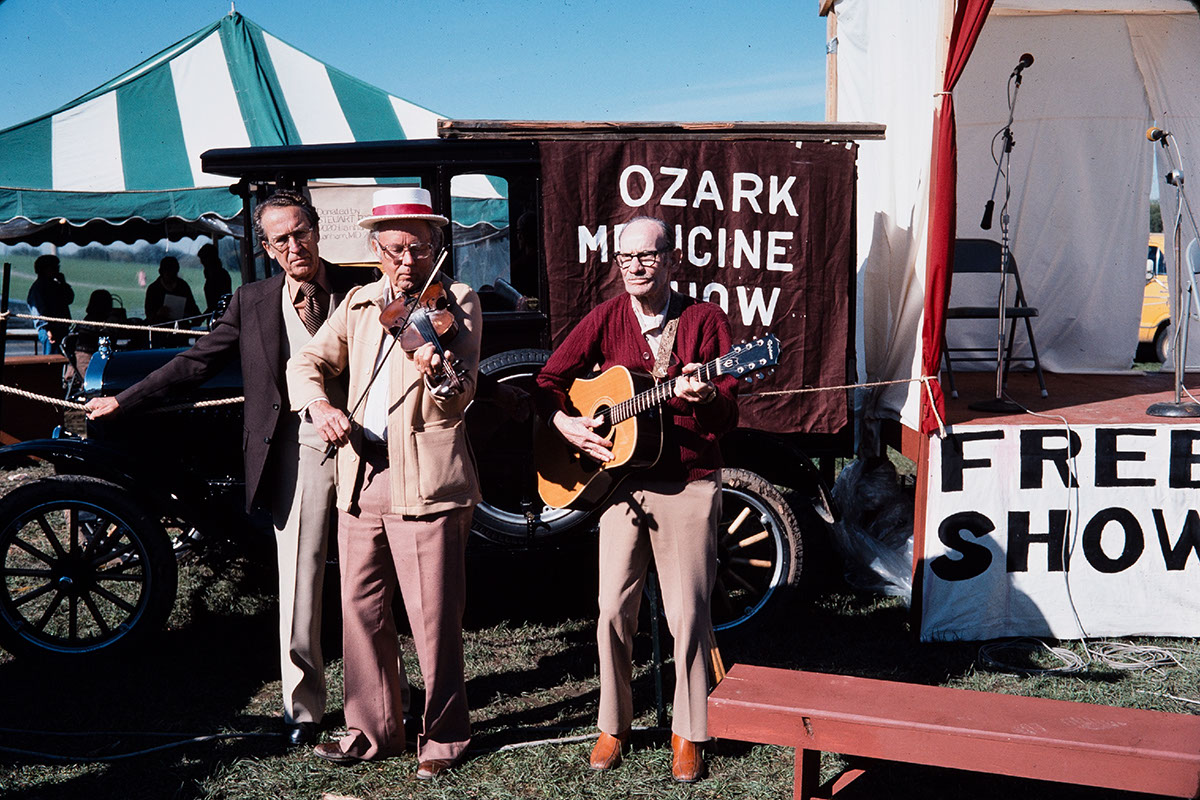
point(759, 550)
point(82, 568)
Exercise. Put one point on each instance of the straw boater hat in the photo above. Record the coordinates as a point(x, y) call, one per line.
point(400, 203)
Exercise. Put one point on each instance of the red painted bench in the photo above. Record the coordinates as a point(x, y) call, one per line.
point(1026, 737)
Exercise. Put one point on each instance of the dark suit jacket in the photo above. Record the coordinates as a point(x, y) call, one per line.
point(252, 326)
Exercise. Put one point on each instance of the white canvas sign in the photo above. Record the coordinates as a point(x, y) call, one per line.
point(1043, 531)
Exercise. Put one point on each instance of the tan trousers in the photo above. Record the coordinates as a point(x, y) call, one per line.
point(677, 525)
point(425, 558)
point(302, 512)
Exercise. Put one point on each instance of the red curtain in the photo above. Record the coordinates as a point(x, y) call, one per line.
point(969, 17)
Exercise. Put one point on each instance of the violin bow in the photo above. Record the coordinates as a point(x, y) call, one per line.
point(437, 267)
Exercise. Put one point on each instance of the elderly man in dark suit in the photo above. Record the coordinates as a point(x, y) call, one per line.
point(265, 323)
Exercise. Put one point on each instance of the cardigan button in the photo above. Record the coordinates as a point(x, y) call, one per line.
point(266, 440)
point(274, 406)
point(645, 356)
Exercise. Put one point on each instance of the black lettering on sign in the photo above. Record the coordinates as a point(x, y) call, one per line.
point(1189, 540)
point(1034, 452)
point(1109, 458)
point(953, 461)
point(1019, 539)
point(975, 557)
point(1135, 543)
point(1183, 459)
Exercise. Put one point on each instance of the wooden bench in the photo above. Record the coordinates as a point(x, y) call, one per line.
point(1026, 737)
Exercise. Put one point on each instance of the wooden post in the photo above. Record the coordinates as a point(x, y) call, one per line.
point(831, 72)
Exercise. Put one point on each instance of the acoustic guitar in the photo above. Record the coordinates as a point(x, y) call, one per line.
point(627, 403)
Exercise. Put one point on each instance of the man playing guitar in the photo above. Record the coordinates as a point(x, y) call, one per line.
point(671, 509)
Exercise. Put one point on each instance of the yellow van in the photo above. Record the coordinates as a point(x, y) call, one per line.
point(1156, 308)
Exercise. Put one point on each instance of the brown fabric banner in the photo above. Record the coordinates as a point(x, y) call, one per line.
point(766, 230)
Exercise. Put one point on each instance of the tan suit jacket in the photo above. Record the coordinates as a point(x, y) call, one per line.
point(432, 468)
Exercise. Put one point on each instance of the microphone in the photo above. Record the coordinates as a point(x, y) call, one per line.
point(1156, 134)
point(1026, 60)
point(986, 224)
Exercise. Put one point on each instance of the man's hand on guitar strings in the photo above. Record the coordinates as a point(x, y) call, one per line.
point(690, 387)
point(579, 434)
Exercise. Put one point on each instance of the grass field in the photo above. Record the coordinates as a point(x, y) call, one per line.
point(531, 670)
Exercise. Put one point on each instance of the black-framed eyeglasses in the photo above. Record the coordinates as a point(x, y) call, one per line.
point(647, 258)
point(301, 235)
point(417, 250)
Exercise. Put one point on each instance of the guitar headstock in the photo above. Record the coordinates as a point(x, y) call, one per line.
point(751, 359)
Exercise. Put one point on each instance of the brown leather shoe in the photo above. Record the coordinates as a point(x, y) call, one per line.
point(688, 761)
point(428, 770)
point(607, 752)
point(332, 752)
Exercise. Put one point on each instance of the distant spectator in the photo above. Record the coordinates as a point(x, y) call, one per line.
point(217, 282)
point(50, 296)
point(169, 298)
point(87, 337)
point(99, 309)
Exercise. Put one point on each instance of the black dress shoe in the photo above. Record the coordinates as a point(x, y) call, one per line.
point(300, 733)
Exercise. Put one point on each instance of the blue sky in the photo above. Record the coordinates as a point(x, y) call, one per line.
point(567, 59)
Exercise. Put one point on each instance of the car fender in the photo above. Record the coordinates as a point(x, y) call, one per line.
point(182, 499)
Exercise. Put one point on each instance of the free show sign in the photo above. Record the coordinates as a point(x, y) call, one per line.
point(1041, 531)
point(766, 231)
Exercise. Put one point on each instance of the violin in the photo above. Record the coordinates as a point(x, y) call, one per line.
point(427, 319)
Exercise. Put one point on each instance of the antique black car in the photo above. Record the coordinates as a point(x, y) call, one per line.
point(86, 562)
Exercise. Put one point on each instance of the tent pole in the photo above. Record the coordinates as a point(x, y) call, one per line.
point(247, 234)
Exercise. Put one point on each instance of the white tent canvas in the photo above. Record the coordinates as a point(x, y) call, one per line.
point(1081, 168)
point(129, 150)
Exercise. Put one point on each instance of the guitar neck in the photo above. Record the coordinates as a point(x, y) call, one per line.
point(653, 398)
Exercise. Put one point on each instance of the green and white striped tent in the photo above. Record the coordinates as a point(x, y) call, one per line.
point(123, 161)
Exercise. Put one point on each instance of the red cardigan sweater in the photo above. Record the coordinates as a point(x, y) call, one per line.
point(610, 336)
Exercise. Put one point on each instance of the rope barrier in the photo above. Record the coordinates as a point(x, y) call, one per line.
point(70, 404)
point(924, 380)
point(78, 406)
point(124, 326)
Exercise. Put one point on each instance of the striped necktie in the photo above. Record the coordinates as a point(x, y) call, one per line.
point(314, 306)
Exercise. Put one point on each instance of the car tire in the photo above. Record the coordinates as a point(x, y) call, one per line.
point(1162, 338)
point(84, 569)
point(500, 422)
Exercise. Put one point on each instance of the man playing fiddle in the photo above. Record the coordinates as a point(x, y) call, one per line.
point(406, 487)
point(671, 510)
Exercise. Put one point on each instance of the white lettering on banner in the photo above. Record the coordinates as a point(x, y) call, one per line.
point(1037, 531)
point(782, 194)
point(707, 191)
point(669, 198)
point(746, 186)
point(750, 302)
point(742, 247)
point(694, 257)
point(748, 248)
point(626, 197)
point(774, 249)
point(740, 179)
point(589, 243)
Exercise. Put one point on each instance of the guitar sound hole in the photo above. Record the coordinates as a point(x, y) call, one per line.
point(604, 428)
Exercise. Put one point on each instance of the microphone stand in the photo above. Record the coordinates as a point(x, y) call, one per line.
point(999, 403)
point(1179, 408)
